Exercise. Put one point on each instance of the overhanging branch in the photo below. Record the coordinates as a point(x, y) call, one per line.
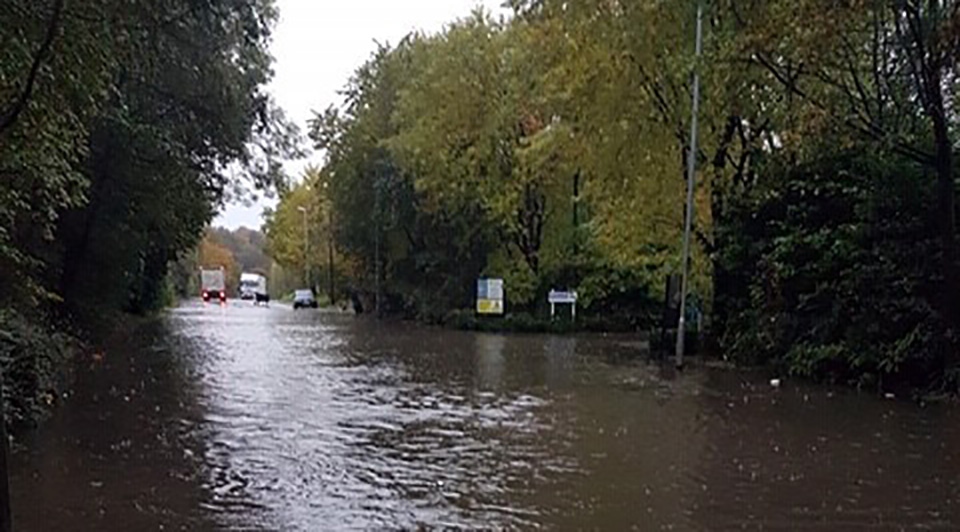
point(9, 116)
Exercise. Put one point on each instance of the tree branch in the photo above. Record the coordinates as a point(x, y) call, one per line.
point(864, 127)
point(865, 100)
point(875, 62)
point(914, 58)
point(9, 116)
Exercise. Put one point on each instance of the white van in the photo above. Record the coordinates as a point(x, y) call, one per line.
point(254, 286)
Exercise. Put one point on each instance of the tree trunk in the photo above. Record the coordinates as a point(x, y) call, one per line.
point(946, 215)
point(722, 279)
point(946, 201)
point(8, 116)
point(6, 520)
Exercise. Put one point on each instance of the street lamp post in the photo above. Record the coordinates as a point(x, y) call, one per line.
point(377, 184)
point(330, 287)
point(691, 182)
point(306, 247)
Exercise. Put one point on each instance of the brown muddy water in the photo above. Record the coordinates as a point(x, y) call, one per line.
point(244, 418)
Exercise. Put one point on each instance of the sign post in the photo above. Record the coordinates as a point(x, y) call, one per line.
point(490, 296)
point(556, 297)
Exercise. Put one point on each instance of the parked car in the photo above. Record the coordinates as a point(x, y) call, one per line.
point(304, 299)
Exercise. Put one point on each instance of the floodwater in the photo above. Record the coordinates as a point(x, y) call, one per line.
point(244, 418)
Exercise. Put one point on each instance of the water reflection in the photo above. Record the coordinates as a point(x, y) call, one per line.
point(490, 363)
point(243, 417)
point(560, 355)
point(120, 454)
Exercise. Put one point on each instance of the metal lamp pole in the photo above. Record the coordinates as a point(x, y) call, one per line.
point(691, 183)
point(377, 245)
point(330, 257)
point(306, 247)
point(329, 246)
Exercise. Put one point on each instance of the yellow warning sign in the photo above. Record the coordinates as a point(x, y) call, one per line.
point(489, 306)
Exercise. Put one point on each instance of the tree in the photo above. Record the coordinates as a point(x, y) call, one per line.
point(299, 233)
point(247, 246)
point(882, 71)
point(471, 146)
point(549, 149)
point(54, 71)
point(160, 151)
point(126, 116)
point(119, 121)
point(24, 89)
point(382, 225)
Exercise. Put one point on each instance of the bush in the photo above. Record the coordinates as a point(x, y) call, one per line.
point(34, 360)
point(465, 320)
point(831, 273)
point(525, 322)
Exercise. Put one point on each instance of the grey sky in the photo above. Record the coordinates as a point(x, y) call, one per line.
point(319, 43)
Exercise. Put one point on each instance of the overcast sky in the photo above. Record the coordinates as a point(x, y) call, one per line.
point(319, 43)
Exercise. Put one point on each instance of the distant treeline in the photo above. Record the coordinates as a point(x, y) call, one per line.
point(237, 251)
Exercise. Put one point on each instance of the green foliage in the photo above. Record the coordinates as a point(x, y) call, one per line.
point(123, 127)
point(299, 236)
point(178, 114)
point(549, 150)
point(33, 363)
point(836, 264)
point(487, 150)
point(862, 76)
point(118, 155)
point(429, 253)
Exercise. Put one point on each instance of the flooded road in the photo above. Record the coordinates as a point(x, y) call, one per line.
point(248, 418)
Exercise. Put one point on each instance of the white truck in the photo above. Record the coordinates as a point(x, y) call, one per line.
point(254, 286)
point(213, 285)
